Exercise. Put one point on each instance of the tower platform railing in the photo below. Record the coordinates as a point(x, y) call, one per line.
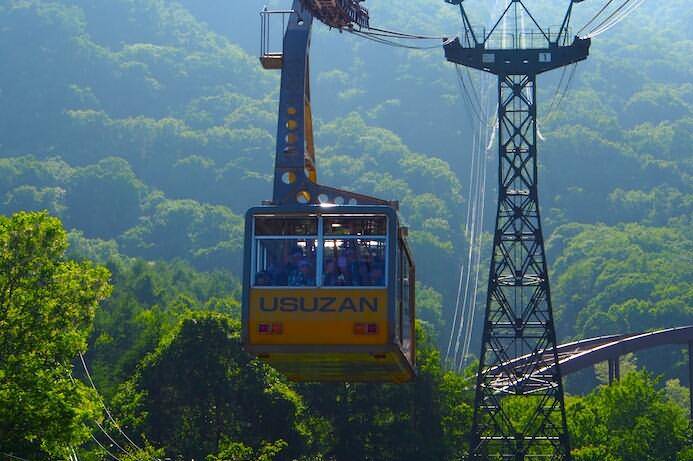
point(273, 25)
point(511, 39)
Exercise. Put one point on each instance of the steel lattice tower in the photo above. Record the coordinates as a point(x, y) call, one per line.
point(519, 411)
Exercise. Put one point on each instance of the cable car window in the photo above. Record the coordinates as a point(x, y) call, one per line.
point(285, 262)
point(354, 262)
point(286, 225)
point(367, 225)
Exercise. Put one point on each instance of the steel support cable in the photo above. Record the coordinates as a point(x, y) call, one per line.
point(103, 404)
point(559, 96)
point(18, 458)
point(456, 313)
point(453, 328)
point(110, 417)
point(481, 200)
point(463, 329)
point(557, 91)
point(405, 35)
point(462, 324)
point(594, 18)
point(108, 436)
point(567, 85)
point(610, 17)
point(477, 266)
point(615, 21)
point(111, 455)
point(378, 38)
point(460, 79)
point(477, 94)
point(469, 87)
point(473, 200)
point(465, 95)
point(468, 218)
point(472, 308)
point(479, 245)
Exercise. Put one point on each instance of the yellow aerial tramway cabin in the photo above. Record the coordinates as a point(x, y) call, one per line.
point(330, 293)
point(328, 287)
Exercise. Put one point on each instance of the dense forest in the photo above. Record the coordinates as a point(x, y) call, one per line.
point(134, 134)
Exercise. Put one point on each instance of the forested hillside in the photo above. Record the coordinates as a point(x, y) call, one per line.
point(147, 127)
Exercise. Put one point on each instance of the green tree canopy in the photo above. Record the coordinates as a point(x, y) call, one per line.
point(47, 306)
point(629, 421)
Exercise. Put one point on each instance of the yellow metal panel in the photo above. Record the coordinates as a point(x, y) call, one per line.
point(317, 316)
point(341, 367)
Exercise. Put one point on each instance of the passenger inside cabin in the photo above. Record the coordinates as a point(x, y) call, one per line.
point(377, 275)
point(344, 273)
point(263, 279)
point(364, 275)
point(330, 276)
point(302, 276)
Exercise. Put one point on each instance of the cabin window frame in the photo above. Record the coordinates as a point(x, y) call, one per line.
point(320, 239)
